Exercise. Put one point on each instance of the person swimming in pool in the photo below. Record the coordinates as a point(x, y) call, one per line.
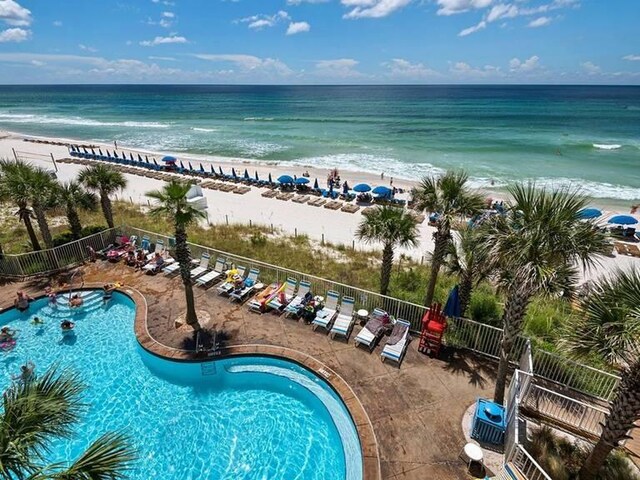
point(76, 301)
point(66, 326)
point(27, 372)
point(6, 334)
point(37, 321)
point(108, 289)
point(22, 301)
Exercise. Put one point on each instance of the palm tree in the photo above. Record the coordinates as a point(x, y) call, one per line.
point(468, 260)
point(393, 227)
point(42, 195)
point(610, 328)
point(73, 197)
point(105, 181)
point(40, 409)
point(171, 203)
point(450, 198)
point(15, 187)
point(535, 248)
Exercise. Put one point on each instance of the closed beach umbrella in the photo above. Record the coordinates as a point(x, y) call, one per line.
point(233, 172)
point(139, 158)
point(623, 220)
point(108, 154)
point(246, 174)
point(190, 166)
point(270, 180)
point(169, 159)
point(201, 168)
point(315, 184)
point(155, 163)
point(362, 188)
point(100, 152)
point(146, 158)
point(345, 188)
point(285, 179)
point(220, 170)
point(588, 213)
point(257, 178)
point(181, 165)
point(92, 152)
point(131, 156)
point(212, 170)
point(302, 181)
point(382, 190)
point(452, 307)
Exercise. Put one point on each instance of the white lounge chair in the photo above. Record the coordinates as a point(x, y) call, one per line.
point(151, 266)
point(303, 288)
point(343, 324)
point(249, 286)
point(325, 316)
point(396, 352)
point(203, 267)
point(288, 294)
point(365, 336)
point(213, 275)
point(226, 287)
point(159, 249)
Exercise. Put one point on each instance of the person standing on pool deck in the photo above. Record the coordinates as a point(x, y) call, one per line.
point(22, 302)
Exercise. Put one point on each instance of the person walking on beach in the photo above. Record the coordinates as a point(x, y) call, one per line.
point(382, 176)
point(391, 182)
point(115, 144)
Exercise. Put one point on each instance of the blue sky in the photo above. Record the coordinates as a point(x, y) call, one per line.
point(319, 41)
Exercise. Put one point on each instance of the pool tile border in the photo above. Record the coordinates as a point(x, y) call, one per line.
point(368, 443)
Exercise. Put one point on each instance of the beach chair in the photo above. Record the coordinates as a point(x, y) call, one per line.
point(260, 303)
point(226, 287)
point(203, 267)
point(213, 275)
point(372, 332)
point(325, 316)
point(397, 350)
point(159, 248)
point(249, 285)
point(292, 308)
point(344, 321)
point(285, 297)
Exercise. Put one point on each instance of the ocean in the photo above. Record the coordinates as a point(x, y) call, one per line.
point(587, 136)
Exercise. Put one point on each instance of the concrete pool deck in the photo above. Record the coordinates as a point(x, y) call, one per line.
point(415, 410)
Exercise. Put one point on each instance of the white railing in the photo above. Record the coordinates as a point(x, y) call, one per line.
point(527, 466)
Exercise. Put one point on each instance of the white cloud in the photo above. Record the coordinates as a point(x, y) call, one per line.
point(373, 8)
point(591, 68)
point(401, 68)
point(15, 35)
point(164, 2)
point(86, 48)
point(14, 14)
point(474, 29)
point(463, 69)
point(539, 22)
point(452, 7)
point(338, 68)
point(298, 27)
point(299, 2)
point(164, 40)
point(249, 63)
point(632, 58)
point(57, 23)
point(260, 21)
point(168, 14)
point(531, 63)
point(167, 59)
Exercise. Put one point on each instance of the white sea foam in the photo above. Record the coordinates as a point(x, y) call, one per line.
point(258, 119)
point(79, 121)
point(206, 130)
point(604, 146)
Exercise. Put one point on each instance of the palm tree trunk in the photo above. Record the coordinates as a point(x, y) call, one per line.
point(26, 218)
point(512, 319)
point(107, 211)
point(624, 411)
point(74, 221)
point(41, 218)
point(441, 237)
point(387, 265)
point(466, 287)
point(183, 256)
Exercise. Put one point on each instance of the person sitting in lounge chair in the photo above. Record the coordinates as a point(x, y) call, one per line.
point(157, 262)
point(141, 259)
point(130, 259)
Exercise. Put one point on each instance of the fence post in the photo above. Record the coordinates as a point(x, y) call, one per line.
point(55, 165)
point(15, 155)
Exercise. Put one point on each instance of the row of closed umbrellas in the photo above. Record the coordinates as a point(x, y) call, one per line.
point(591, 213)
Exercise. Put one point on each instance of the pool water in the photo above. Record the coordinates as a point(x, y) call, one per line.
point(236, 418)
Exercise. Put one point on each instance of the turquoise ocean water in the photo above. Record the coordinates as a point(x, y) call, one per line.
point(584, 135)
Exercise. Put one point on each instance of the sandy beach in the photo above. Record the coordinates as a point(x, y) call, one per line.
point(318, 223)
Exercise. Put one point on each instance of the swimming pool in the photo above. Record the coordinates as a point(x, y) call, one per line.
point(235, 418)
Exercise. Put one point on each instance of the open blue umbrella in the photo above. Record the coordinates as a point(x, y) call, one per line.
point(623, 220)
point(589, 213)
point(302, 181)
point(285, 179)
point(362, 188)
point(169, 159)
point(382, 190)
point(315, 185)
point(452, 308)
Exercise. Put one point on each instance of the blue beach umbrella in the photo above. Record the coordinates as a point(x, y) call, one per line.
point(139, 158)
point(146, 158)
point(362, 188)
point(246, 174)
point(212, 169)
point(315, 185)
point(181, 165)
point(270, 180)
point(201, 168)
point(285, 179)
point(190, 166)
point(452, 307)
point(589, 213)
point(154, 162)
point(131, 156)
point(257, 178)
point(169, 159)
point(302, 181)
point(623, 220)
point(382, 190)
point(233, 173)
point(220, 170)
point(100, 152)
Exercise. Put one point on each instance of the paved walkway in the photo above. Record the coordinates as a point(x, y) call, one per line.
point(416, 410)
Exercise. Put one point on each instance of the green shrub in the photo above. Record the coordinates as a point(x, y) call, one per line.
point(258, 239)
point(62, 238)
point(484, 308)
point(92, 230)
